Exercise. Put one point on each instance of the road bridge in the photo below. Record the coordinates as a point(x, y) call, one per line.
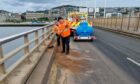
point(113, 58)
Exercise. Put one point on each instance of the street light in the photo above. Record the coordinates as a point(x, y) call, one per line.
point(105, 9)
point(95, 9)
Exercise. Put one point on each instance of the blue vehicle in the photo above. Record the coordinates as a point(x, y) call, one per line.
point(84, 32)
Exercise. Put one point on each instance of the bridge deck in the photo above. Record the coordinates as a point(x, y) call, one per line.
point(101, 62)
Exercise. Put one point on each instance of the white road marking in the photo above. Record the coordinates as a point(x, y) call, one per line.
point(133, 61)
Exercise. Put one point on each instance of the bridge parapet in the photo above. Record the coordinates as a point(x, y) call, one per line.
point(129, 25)
point(40, 38)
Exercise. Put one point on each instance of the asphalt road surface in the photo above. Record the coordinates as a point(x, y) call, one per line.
point(111, 59)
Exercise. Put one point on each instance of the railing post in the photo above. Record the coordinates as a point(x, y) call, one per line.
point(26, 42)
point(37, 39)
point(49, 30)
point(116, 24)
point(138, 23)
point(121, 22)
point(46, 30)
point(26, 48)
point(43, 36)
point(100, 22)
point(112, 26)
point(128, 23)
point(104, 22)
point(97, 22)
point(2, 68)
point(111, 23)
point(107, 22)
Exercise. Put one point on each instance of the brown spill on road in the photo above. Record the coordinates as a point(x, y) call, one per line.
point(69, 62)
point(71, 67)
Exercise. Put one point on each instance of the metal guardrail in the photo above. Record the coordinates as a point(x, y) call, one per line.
point(46, 32)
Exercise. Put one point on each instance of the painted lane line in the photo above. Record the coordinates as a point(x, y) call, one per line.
point(133, 61)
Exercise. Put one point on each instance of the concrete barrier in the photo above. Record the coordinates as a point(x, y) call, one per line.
point(124, 25)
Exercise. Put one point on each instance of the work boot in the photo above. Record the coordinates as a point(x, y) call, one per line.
point(67, 53)
point(62, 51)
point(58, 45)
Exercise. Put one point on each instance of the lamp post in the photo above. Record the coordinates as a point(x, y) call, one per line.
point(95, 8)
point(105, 9)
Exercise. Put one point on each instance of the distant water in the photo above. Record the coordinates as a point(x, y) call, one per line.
point(8, 31)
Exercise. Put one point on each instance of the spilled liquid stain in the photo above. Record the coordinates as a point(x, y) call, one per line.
point(71, 67)
point(70, 62)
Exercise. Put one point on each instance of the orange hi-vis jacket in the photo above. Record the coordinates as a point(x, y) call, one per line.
point(56, 29)
point(65, 29)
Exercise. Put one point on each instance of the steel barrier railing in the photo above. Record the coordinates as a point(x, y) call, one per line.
point(46, 32)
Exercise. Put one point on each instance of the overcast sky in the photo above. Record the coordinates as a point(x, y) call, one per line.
point(23, 5)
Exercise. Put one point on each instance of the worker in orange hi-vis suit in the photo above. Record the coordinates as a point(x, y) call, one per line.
point(65, 34)
point(56, 30)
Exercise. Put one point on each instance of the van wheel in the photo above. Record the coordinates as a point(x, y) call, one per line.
point(91, 40)
point(74, 40)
